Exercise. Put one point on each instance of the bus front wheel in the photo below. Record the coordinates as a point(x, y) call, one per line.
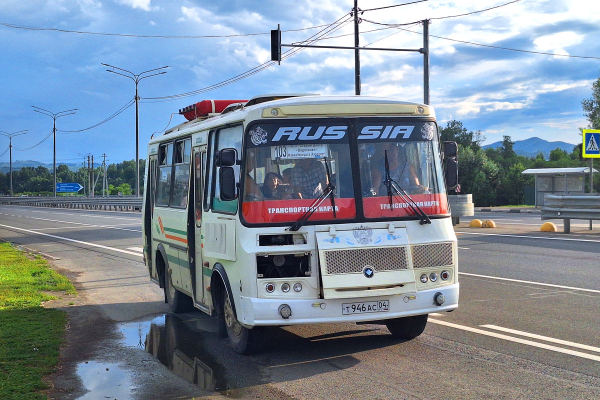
point(242, 339)
point(407, 328)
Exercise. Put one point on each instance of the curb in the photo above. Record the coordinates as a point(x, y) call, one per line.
point(509, 210)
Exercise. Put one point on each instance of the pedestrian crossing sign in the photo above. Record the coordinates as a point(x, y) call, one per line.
point(591, 143)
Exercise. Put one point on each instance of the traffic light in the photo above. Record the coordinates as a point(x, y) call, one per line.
point(276, 44)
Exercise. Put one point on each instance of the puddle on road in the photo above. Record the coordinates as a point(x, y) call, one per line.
point(104, 381)
point(177, 342)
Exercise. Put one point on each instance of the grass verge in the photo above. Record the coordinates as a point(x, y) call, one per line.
point(30, 335)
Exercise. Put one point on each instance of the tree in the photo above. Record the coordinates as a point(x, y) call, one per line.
point(591, 106)
point(456, 132)
point(478, 175)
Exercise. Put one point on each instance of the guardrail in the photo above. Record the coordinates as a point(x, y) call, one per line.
point(584, 206)
point(120, 203)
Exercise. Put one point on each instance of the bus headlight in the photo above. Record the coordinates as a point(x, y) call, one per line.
point(285, 287)
point(433, 277)
point(270, 288)
point(297, 287)
point(424, 278)
point(445, 275)
point(439, 298)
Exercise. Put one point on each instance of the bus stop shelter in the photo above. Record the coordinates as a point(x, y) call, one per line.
point(558, 181)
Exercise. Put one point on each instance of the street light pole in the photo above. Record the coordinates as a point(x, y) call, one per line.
point(136, 78)
point(54, 116)
point(10, 136)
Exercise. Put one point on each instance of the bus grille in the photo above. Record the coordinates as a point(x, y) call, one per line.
point(432, 255)
point(353, 261)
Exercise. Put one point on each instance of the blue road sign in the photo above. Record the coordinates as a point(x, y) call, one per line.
point(591, 143)
point(68, 187)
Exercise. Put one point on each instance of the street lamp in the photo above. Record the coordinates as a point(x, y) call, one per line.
point(136, 78)
point(54, 116)
point(10, 136)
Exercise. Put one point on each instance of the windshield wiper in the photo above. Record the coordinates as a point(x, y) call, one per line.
point(329, 191)
point(393, 186)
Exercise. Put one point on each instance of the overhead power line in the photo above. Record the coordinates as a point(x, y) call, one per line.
point(395, 5)
point(36, 145)
point(34, 28)
point(333, 27)
point(125, 107)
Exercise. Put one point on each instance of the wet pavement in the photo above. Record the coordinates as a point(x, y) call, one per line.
point(187, 345)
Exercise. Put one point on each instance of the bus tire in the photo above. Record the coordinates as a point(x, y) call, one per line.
point(241, 339)
point(178, 302)
point(407, 328)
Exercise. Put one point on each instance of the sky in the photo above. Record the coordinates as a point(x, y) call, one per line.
point(52, 53)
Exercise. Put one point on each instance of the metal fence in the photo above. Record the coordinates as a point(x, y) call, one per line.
point(117, 203)
point(584, 206)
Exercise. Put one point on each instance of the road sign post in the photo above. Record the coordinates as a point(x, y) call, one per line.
point(68, 187)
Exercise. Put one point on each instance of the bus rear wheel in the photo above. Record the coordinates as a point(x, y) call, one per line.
point(407, 328)
point(242, 339)
point(178, 302)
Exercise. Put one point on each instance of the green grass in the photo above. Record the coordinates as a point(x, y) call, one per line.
point(30, 335)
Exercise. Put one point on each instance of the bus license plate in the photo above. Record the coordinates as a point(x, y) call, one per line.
point(366, 307)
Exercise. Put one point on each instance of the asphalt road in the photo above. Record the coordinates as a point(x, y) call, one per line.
point(526, 328)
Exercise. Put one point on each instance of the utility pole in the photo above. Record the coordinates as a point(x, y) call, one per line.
point(89, 177)
point(356, 51)
point(54, 116)
point(10, 136)
point(104, 180)
point(136, 78)
point(426, 61)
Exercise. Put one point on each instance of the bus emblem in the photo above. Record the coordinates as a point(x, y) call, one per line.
point(427, 131)
point(258, 136)
point(363, 234)
point(368, 271)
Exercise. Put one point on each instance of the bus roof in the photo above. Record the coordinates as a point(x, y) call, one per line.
point(305, 106)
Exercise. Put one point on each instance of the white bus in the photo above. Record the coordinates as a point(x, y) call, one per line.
point(288, 210)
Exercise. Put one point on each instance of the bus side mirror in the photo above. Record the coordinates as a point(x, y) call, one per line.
point(227, 184)
point(451, 172)
point(227, 158)
point(450, 149)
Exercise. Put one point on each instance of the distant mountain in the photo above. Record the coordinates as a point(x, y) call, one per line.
point(533, 146)
point(17, 165)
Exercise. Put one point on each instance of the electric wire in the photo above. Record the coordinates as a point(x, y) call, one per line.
point(121, 110)
point(5, 151)
point(505, 48)
point(395, 5)
point(333, 27)
point(33, 28)
point(36, 145)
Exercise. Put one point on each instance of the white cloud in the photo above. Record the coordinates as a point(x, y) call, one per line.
point(141, 4)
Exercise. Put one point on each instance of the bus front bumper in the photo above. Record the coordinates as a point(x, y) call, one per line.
point(260, 312)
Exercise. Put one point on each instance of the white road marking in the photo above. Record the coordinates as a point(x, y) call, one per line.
point(464, 248)
point(517, 340)
point(138, 249)
point(72, 240)
point(544, 338)
point(529, 282)
point(29, 210)
point(75, 223)
point(529, 237)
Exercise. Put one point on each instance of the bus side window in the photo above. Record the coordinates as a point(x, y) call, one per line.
point(226, 138)
point(199, 162)
point(163, 181)
point(181, 182)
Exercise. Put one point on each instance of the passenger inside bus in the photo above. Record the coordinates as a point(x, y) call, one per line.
point(308, 178)
point(274, 188)
point(401, 170)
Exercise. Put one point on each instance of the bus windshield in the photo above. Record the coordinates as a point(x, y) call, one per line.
point(289, 165)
